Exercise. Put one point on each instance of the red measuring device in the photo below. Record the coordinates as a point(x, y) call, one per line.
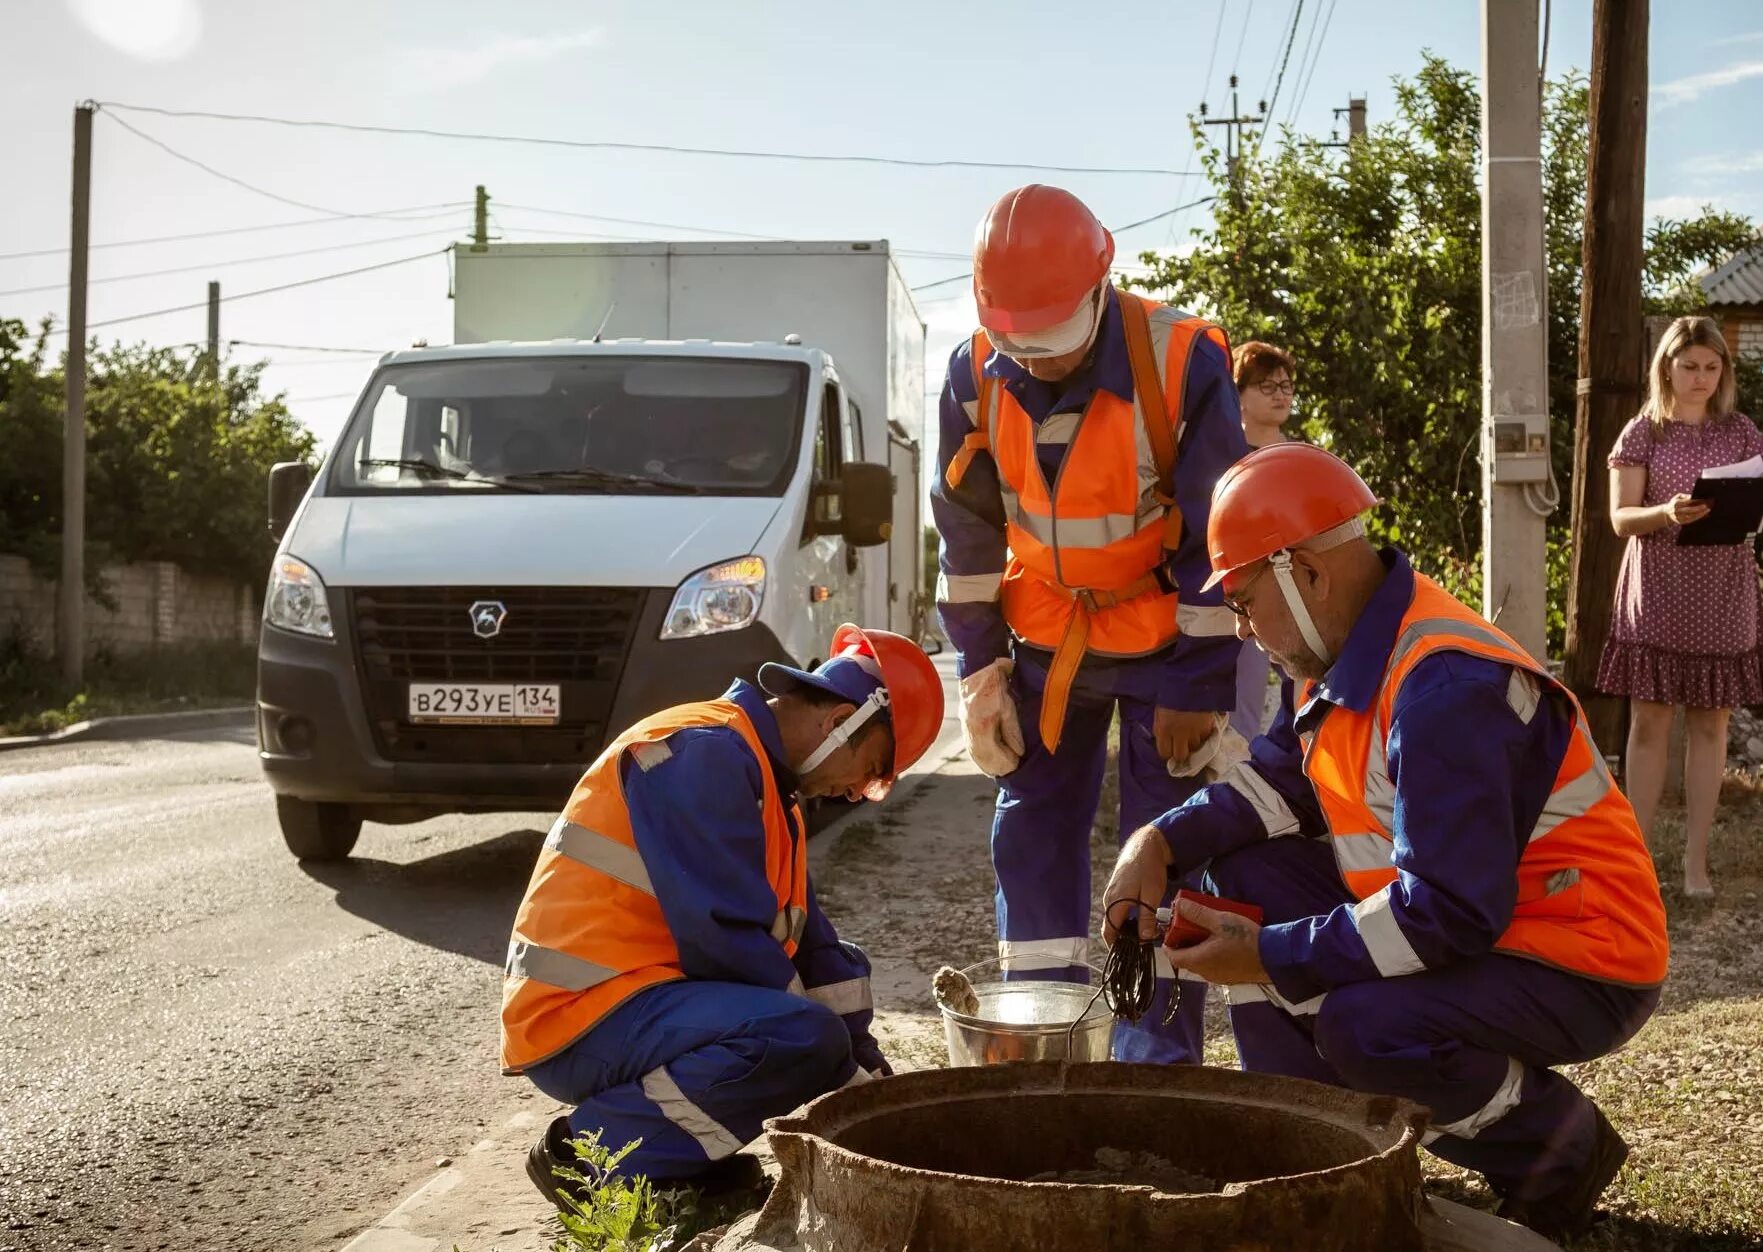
point(1183, 933)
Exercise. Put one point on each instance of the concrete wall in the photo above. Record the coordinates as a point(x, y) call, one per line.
point(156, 603)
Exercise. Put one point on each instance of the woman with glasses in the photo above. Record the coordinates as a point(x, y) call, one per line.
point(1264, 386)
point(1263, 376)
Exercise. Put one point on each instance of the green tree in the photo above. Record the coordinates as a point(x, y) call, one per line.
point(177, 456)
point(1365, 263)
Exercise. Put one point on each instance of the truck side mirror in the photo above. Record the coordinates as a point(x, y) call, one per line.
point(288, 481)
point(866, 497)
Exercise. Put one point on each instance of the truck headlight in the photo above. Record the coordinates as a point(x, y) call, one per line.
point(295, 600)
point(723, 597)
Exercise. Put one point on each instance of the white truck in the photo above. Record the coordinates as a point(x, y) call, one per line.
point(641, 471)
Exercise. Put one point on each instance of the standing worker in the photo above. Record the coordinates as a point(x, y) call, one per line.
point(1082, 429)
point(1455, 895)
point(671, 973)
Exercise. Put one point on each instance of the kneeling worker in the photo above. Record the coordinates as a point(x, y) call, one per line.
point(1455, 895)
point(670, 972)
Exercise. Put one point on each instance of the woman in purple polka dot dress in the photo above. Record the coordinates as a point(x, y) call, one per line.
point(1685, 629)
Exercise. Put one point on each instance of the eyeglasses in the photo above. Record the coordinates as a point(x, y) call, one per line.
point(1268, 387)
point(1234, 604)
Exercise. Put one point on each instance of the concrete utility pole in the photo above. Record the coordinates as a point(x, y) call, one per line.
point(480, 222)
point(1233, 135)
point(1515, 481)
point(70, 634)
point(1612, 340)
point(1355, 112)
point(214, 328)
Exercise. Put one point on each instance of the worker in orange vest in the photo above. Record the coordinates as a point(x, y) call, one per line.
point(1455, 895)
point(1082, 429)
point(670, 972)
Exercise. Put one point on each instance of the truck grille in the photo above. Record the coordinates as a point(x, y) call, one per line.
point(577, 637)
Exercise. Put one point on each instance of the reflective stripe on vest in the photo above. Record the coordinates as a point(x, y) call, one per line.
point(1588, 899)
point(589, 933)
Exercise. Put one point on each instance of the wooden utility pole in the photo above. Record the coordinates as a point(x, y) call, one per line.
point(480, 221)
point(70, 634)
point(1234, 124)
point(214, 328)
point(1612, 341)
point(1514, 329)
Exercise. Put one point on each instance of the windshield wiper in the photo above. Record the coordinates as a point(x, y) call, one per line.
point(589, 476)
point(423, 466)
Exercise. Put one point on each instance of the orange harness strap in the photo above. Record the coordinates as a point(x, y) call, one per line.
point(1070, 652)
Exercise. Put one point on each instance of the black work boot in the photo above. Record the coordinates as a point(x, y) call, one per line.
point(544, 1157)
point(1567, 1212)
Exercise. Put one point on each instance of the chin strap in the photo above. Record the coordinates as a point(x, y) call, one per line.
point(842, 733)
point(1281, 561)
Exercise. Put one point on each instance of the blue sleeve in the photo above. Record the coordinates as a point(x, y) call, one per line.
point(836, 974)
point(1265, 797)
point(1462, 819)
point(1200, 673)
point(697, 821)
point(970, 524)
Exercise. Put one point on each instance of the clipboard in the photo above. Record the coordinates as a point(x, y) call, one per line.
point(1736, 512)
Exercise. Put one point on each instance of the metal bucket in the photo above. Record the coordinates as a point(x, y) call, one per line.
point(1028, 1019)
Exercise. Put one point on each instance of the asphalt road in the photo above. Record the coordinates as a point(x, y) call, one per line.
point(205, 1044)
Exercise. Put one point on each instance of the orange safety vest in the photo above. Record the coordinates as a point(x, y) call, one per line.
point(590, 932)
point(1086, 550)
point(1588, 897)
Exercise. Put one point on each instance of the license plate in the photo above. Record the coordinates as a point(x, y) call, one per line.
point(512, 704)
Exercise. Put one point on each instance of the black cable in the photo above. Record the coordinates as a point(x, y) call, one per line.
point(1291, 38)
point(608, 145)
point(404, 215)
point(1212, 57)
point(237, 182)
point(1315, 56)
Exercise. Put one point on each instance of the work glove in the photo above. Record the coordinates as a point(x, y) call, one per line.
point(867, 1053)
point(1217, 754)
point(989, 722)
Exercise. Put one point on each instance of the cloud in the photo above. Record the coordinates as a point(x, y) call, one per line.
point(1749, 163)
point(149, 30)
point(1683, 90)
point(1755, 36)
point(437, 69)
point(1677, 206)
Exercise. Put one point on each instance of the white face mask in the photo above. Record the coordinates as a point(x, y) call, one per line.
point(1074, 333)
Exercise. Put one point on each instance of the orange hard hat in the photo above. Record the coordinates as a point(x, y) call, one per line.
point(1277, 497)
point(915, 693)
point(1037, 253)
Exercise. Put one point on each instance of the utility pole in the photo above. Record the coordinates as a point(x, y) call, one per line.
point(1517, 487)
point(1612, 341)
point(1355, 112)
point(480, 228)
point(214, 328)
point(1233, 135)
point(71, 593)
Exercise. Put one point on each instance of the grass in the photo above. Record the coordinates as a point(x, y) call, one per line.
point(34, 699)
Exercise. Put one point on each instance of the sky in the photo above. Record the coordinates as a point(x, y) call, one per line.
point(1103, 85)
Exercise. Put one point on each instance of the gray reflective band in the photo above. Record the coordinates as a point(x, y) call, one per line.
point(600, 852)
point(1389, 947)
point(1027, 954)
point(1270, 806)
point(1426, 628)
point(1503, 1101)
point(789, 925)
point(1523, 693)
point(649, 755)
point(554, 968)
point(1205, 619)
point(1574, 800)
point(1083, 532)
point(711, 1135)
point(1359, 854)
point(851, 996)
point(968, 588)
point(1241, 993)
point(1058, 428)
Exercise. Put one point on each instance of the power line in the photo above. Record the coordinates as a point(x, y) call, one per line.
point(609, 145)
point(1318, 39)
point(1248, 13)
point(244, 260)
point(577, 234)
point(1118, 230)
point(418, 213)
point(300, 347)
point(339, 395)
point(1274, 65)
point(1291, 38)
point(1212, 56)
point(228, 178)
point(632, 221)
point(261, 291)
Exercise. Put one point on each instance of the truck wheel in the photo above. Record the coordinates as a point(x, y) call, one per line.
point(317, 832)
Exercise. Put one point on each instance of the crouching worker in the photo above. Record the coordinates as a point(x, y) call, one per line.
point(670, 973)
point(1455, 896)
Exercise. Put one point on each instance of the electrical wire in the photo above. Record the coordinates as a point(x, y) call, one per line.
point(229, 178)
point(1273, 66)
point(1248, 15)
point(1212, 56)
point(244, 260)
point(1315, 56)
point(418, 213)
point(1304, 56)
point(609, 145)
point(632, 221)
point(261, 291)
point(1143, 221)
point(1280, 78)
point(305, 347)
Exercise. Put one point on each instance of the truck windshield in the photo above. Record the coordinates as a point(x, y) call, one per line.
point(648, 425)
